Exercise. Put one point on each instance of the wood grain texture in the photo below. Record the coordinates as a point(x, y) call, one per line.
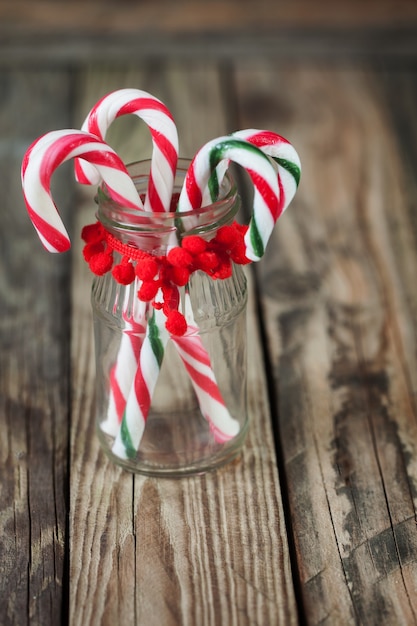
point(204, 16)
point(34, 359)
point(59, 33)
point(204, 550)
point(338, 317)
point(339, 300)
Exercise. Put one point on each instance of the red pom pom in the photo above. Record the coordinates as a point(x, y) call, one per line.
point(101, 263)
point(147, 268)
point(179, 257)
point(179, 276)
point(90, 249)
point(176, 324)
point(226, 235)
point(92, 232)
point(231, 238)
point(148, 290)
point(238, 254)
point(224, 270)
point(194, 244)
point(241, 228)
point(207, 261)
point(124, 273)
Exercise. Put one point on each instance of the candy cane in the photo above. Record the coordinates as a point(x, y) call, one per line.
point(139, 400)
point(123, 371)
point(266, 200)
point(198, 365)
point(41, 160)
point(197, 362)
point(164, 139)
point(281, 151)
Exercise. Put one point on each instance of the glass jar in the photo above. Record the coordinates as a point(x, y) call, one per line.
point(170, 405)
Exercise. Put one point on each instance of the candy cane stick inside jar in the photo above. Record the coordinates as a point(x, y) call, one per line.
point(139, 399)
point(198, 364)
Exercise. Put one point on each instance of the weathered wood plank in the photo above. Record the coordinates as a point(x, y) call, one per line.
point(34, 361)
point(205, 550)
point(59, 33)
point(22, 16)
point(339, 301)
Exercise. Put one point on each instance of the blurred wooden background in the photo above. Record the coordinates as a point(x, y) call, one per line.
point(77, 31)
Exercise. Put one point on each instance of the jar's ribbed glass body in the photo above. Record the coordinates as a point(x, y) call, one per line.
point(197, 415)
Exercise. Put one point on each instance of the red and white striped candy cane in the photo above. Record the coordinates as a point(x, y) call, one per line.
point(123, 371)
point(198, 365)
point(266, 199)
point(164, 139)
point(197, 362)
point(41, 160)
point(140, 395)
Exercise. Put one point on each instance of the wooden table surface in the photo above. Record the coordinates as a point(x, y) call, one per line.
point(316, 521)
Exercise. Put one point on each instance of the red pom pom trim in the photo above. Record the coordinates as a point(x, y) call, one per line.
point(147, 268)
point(176, 323)
point(101, 263)
point(179, 257)
point(194, 244)
point(124, 273)
point(161, 276)
point(148, 290)
point(92, 232)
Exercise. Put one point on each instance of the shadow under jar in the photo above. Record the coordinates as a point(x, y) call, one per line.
point(195, 419)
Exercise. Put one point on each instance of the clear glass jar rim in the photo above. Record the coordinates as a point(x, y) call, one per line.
point(127, 217)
